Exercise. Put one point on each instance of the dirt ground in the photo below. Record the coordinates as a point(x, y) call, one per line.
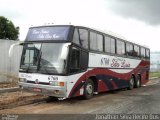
point(12, 81)
point(12, 99)
point(8, 84)
point(19, 98)
point(143, 100)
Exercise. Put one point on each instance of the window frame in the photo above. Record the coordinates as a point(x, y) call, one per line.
point(70, 59)
point(113, 44)
point(82, 60)
point(80, 37)
point(142, 49)
point(130, 51)
point(111, 39)
point(134, 51)
point(147, 51)
point(122, 49)
point(96, 45)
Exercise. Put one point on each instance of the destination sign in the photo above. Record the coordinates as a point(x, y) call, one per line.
point(47, 33)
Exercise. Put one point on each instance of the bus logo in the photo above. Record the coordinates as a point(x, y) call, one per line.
point(104, 61)
point(36, 81)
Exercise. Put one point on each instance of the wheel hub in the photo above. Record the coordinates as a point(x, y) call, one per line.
point(89, 89)
point(131, 82)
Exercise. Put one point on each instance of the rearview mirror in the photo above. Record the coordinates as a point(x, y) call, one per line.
point(12, 47)
point(65, 50)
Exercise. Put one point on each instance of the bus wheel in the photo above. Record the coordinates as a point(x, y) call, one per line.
point(131, 83)
point(88, 89)
point(138, 82)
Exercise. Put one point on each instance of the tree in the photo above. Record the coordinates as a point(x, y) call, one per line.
point(8, 30)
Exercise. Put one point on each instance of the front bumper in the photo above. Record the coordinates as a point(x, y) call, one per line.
point(48, 90)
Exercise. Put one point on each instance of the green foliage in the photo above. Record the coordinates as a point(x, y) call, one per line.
point(7, 29)
point(154, 74)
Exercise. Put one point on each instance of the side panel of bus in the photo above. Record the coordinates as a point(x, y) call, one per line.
point(110, 73)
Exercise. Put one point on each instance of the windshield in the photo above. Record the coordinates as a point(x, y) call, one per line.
point(47, 33)
point(44, 58)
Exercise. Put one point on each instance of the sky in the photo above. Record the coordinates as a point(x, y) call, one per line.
point(136, 20)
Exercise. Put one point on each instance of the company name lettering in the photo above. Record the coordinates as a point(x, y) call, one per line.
point(120, 63)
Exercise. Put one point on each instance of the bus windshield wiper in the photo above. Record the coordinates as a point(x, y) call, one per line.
point(40, 63)
point(27, 70)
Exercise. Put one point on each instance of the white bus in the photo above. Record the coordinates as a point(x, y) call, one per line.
point(66, 61)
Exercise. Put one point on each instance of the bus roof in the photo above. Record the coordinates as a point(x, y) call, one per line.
point(108, 32)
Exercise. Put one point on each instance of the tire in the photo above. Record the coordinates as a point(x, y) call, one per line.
point(138, 82)
point(88, 89)
point(131, 83)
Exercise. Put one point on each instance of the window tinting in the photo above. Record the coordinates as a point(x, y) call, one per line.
point(96, 41)
point(120, 47)
point(99, 42)
point(93, 41)
point(109, 44)
point(76, 37)
point(84, 60)
point(84, 37)
point(129, 49)
point(75, 60)
point(136, 51)
point(147, 53)
point(44, 57)
point(142, 52)
point(113, 47)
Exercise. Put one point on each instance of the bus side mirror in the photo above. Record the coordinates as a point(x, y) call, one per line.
point(12, 47)
point(65, 50)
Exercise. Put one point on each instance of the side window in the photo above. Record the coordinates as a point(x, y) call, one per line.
point(76, 37)
point(129, 49)
point(113, 47)
point(78, 60)
point(29, 56)
point(142, 52)
point(75, 60)
point(84, 60)
point(109, 44)
point(93, 41)
point(120, 47)
point(147, 54)
point(99, 42)
point(136, 51)
point(96, 41)
point(123, 48)
point(83, 37)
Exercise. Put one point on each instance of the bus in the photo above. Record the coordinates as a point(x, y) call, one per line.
point(65, 61)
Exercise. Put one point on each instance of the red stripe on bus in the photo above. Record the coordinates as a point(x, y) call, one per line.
point(105, 71)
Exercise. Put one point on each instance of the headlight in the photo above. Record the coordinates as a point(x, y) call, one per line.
point(56, 83)
point(22, 80)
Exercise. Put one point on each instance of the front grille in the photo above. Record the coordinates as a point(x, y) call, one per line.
point(42, 83)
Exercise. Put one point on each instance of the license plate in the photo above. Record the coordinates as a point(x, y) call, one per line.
point(37, 89)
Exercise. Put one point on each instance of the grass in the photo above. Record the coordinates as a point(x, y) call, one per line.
point(154, 74)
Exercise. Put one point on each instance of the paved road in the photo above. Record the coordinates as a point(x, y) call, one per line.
point(144, 100)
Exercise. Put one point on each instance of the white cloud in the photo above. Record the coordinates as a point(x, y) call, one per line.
point(94, 13)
